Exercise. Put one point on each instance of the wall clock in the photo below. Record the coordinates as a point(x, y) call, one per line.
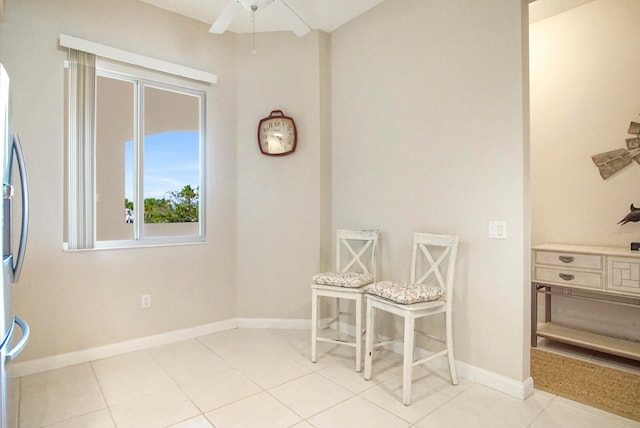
point(277, 134)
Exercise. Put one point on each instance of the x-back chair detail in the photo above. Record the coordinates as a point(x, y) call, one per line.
point(429, 292)
point(355, 268)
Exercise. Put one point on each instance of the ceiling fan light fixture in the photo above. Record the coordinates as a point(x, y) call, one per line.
point(253, 23)
point(258, 4)
point(286, 13)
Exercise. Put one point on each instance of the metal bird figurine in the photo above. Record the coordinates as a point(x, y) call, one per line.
point(634, 215)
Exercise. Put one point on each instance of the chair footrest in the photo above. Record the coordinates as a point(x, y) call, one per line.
point(384, 343)
point(430, 357)
point(336, 341)
point(430, 336)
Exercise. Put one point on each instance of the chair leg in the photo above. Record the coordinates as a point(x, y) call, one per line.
point(369, 337)
point(407, 370)
point(359, 333)
point(338, 318)
point(314, 324)
point(450, 358)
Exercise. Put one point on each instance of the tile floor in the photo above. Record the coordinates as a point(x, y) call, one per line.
point(264, 378)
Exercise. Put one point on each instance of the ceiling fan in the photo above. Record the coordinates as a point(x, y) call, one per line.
point(288, 15)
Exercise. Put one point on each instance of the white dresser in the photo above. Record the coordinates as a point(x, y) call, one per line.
point(608, 275)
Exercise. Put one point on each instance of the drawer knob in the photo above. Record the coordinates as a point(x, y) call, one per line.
point(566, 259)
point(566, 276)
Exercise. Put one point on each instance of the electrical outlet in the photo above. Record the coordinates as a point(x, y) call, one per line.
point(145, 301)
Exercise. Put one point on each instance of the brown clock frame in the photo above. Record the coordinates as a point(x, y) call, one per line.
point(277, 119)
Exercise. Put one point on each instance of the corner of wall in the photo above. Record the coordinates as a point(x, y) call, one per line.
point(326, 221)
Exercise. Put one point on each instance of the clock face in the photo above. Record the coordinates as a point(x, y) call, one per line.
point(277, 135)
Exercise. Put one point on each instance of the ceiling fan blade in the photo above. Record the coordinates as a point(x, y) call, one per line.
point(226, 17)
point(291, 18)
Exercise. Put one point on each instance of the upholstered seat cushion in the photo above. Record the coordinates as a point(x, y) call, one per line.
point(404, 293)
point(347, 279)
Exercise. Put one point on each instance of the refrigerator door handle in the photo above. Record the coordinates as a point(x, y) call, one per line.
point(23, 340)
point(24, 190)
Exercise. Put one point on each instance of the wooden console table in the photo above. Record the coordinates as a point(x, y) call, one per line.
point(603, 274)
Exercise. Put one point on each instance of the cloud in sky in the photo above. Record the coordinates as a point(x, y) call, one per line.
point(171, 161)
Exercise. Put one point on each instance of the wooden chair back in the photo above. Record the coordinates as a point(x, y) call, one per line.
point(356, 251)
point(433, 261)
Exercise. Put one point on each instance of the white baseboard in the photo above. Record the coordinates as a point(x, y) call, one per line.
point(495, 381)
point(498, 382)
point(23, 368)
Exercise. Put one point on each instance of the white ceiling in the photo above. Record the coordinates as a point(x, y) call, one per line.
point(325, 15)
point(541, 9)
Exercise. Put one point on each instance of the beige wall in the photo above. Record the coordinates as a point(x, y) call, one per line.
point(584, 86)
point(428, 135)
point(279, 197)
point(80, 300)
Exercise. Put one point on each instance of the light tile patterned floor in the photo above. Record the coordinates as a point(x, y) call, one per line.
point(264, 378)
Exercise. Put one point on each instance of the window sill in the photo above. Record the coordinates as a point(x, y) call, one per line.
point(149, 243)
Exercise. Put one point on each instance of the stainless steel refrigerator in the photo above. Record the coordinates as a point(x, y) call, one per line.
point(12, 339)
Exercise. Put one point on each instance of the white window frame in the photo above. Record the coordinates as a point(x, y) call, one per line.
point(105, 69)
point(141, 76)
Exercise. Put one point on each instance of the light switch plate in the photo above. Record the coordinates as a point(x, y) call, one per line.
point(497, 230)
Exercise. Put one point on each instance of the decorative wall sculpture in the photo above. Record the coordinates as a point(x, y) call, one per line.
point(614, 161)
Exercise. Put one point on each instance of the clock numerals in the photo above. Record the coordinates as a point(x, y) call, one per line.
point(276, 135)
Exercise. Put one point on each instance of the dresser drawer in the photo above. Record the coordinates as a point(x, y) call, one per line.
point(572, 278)
point(570, 260)
point(623, 275)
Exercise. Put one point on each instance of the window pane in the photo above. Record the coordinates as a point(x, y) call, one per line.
point(171, 163)
point(114, 135)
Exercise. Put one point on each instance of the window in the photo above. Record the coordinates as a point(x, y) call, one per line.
point(148, 168)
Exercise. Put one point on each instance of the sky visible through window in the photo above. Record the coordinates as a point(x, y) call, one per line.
point(170, 163)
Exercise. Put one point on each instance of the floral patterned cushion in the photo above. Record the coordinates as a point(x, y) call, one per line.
point(347, 279)
point(405, 293)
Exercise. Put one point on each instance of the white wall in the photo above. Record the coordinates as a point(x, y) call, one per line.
point(584, 93)
point(80, 300)
point(429, 135)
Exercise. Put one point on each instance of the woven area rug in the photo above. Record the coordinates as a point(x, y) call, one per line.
point(609, 389)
